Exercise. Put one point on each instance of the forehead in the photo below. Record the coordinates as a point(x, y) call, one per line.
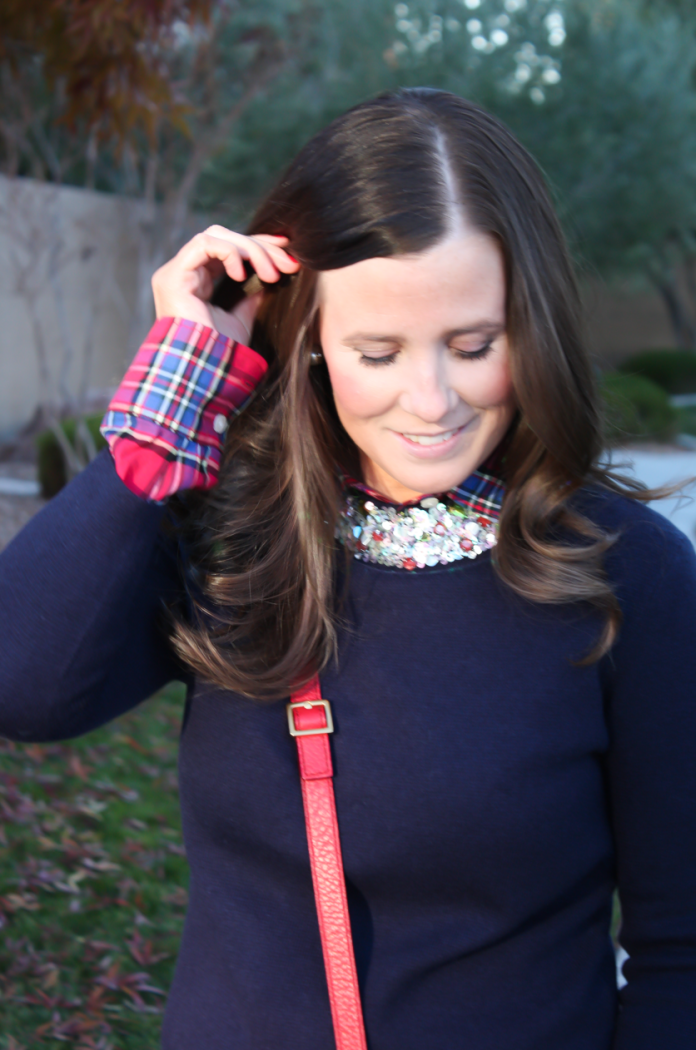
point(452, 283)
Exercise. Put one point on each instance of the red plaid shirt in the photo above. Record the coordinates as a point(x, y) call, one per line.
point(166, 422)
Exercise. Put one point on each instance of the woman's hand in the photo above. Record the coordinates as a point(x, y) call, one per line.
point(184, 285)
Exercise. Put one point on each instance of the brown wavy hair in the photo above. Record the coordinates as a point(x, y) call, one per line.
point(262, 560)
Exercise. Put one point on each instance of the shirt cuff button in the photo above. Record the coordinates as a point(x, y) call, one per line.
point(220, 424)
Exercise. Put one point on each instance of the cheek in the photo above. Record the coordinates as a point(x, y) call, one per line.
point(357, 395)
point(488, 387)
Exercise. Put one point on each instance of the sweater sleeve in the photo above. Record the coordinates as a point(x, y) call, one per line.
point(83, 587)
point(652, 791)
point(166, 423)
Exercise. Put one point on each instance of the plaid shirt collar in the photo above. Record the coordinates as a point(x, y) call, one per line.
point(482, 492)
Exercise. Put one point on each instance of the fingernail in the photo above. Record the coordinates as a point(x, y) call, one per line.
point(292, 258)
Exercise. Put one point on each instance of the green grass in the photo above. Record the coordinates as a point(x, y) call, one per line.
point(93, 883)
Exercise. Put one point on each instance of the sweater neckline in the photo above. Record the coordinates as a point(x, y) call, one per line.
point(481, 493)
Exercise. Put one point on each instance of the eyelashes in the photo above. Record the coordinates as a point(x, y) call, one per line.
point(378, 361)
point(389, 359)
point(476, 354)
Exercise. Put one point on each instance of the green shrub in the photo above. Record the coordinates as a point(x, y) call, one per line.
point(673, 370)
point(687, 420)
point(636, 407)
point(52, 470)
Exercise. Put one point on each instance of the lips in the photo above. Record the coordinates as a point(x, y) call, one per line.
point(431, 446)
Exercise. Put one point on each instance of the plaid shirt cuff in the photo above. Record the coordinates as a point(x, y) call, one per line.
point(166, 423)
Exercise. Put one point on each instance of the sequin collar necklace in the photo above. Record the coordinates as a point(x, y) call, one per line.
point(436, 530)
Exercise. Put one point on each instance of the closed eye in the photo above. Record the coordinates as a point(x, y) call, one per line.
point(389, 359)
point(385, 359)
point(481, 352)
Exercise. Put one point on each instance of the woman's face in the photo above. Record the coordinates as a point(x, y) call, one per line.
point(417, 354)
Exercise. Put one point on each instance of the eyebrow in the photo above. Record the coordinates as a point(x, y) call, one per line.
point(481, 326)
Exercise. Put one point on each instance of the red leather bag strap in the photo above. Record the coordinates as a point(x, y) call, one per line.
point(310, 722)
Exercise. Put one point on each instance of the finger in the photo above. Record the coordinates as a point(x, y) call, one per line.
point(260, 259)
point(257, 253)
point(273, 244)
point(273, 238)
point(231, 251)
point(203, 249)
point(283, 259)
point(204, 284)
point(222, 231)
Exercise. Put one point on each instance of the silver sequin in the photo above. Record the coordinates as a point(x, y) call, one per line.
point(434, 533)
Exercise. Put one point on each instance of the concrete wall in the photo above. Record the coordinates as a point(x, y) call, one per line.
point(622, 321)
point(67, 261)
point(74, 297)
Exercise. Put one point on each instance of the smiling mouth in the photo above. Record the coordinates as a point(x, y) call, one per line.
point(432, 439)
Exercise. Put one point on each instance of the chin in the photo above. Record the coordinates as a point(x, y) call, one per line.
point(435, 479)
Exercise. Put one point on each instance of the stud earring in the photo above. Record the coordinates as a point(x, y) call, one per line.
point(316, 357)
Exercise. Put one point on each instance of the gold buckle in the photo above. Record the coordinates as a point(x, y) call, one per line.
point(308, 704)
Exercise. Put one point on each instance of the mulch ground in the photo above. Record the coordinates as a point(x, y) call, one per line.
point(15, 511)
point(93, 873)
point(93, 883)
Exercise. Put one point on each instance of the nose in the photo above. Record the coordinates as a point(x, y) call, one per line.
point(427, 393)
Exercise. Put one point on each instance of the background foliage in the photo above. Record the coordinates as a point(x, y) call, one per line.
point(200, 105)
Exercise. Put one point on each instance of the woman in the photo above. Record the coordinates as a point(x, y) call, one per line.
point(514, 719)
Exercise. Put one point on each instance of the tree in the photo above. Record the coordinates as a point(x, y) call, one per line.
point(90, 66)
point(341, 62)
point(603, 94)
point(176, 79)
point(75, 74)
point(618, 141)
point(601, 91)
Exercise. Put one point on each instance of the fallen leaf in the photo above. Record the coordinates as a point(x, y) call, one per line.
point(77, 768)
point(142, 950)
point(134, 744)
point(51, 978)
point(18, 901)
point(100, 865)
point(179, 897)
point(91, 808)
point(35, 752)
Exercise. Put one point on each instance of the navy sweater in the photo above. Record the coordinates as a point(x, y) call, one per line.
point(490, 792)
